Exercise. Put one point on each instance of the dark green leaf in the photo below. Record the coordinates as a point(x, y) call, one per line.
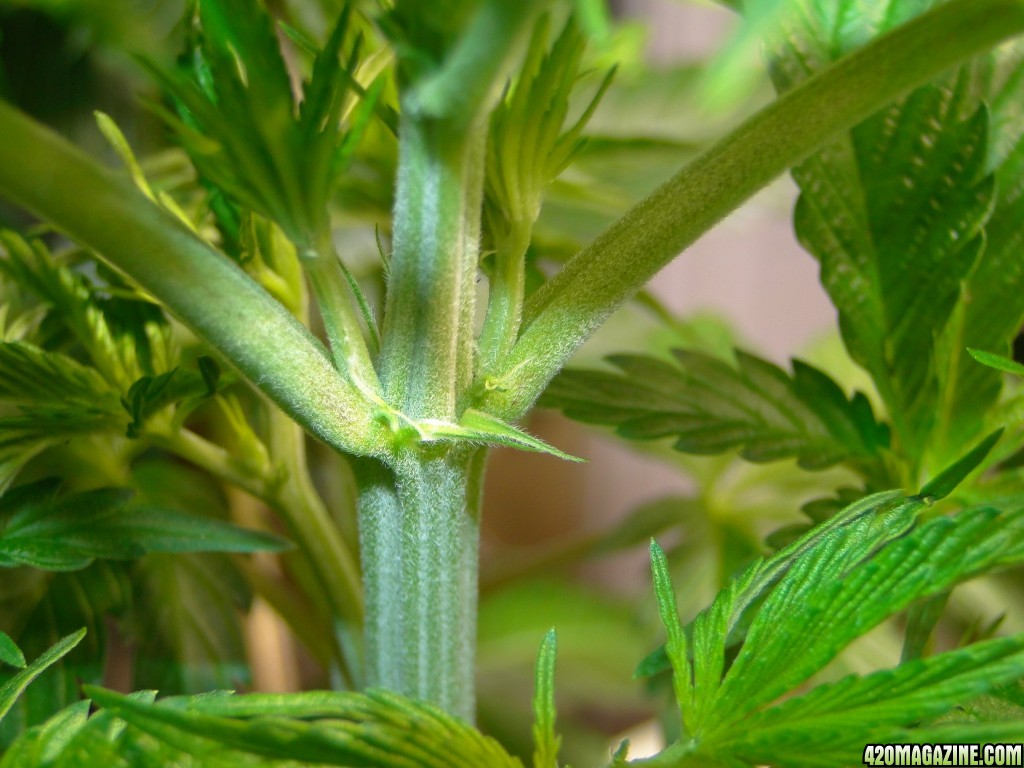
point(183, 388)
point(68, 533)
point(711, 407)
point(946, 481)
point(242, 127)
point(898, 213)
point(995, 310)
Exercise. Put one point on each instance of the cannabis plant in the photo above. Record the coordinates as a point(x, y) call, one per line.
point(174, 328)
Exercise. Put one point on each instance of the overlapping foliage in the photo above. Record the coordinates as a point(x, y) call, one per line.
point(913, 216)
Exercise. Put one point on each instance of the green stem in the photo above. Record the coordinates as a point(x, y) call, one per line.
point(419, 535)
point(210, 294)
point(212, 458)
point(505, 300)
point(298, 502)
point(473, 74)
point(565, 311)
point(419, 511)
point(426, 359)
point(333, 296)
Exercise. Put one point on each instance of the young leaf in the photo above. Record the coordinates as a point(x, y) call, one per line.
point(676, 645)
point(545, 740)
point(997, 362)
point(711, 407)
point(178, 386)
point(14, 686)
point(484, 429)
point(10, 653)
point(242, 127)
point(944, 483)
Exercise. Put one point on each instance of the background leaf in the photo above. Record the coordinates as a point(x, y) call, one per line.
point(70, 532)
point(711, 407)
point(14, 685)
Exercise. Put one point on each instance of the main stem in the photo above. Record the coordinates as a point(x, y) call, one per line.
point(419, 534)
point(418, 510)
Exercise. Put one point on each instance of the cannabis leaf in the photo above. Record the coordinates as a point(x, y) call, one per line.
point(10, 653)
point(896, 211)
point(832, 593)
point(993, 309)
point(15, 685)
point(997, 362)
point(528, 146)
point(178, 386)
point(56, 397)
point(483, 429)
point(546, 742)
point(373, 729)
point(124, 336)
point(794, 612)
point(242, 127)
point(40, 529)
point(709, 406)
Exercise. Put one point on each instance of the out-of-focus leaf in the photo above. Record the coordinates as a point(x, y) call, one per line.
point(68, 533)
point(998, 362)
point(10, 653)
point(15, 685)
point(711, 407)
point(188, 622)
point(946, 481)
point(598, 640)
point(545, 740)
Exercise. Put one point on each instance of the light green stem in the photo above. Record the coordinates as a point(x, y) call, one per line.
point(565, 311)
point(330, 558)
point(426, 360)
point(419, 535)
point(419, 510)
point(505, 299)
point(334, 299)
point(206, 291)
